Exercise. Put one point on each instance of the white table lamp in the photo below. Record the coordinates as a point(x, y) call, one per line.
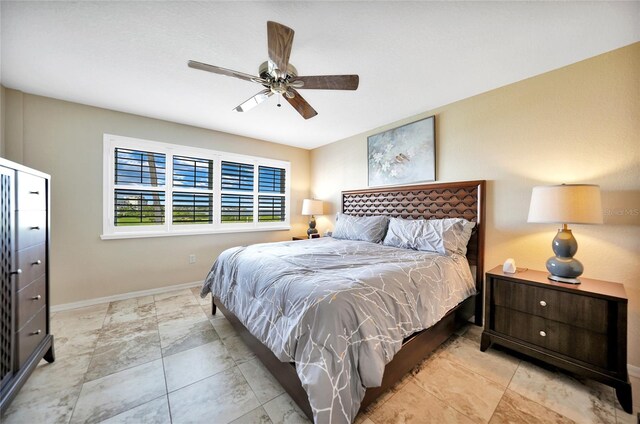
point(565, 204)
point(312, 207)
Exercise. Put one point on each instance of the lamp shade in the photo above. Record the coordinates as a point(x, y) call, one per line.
point(311, 207)
point(566, 204)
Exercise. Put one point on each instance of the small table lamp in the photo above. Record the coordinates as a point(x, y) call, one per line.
point(565, 204)
point(312, 207)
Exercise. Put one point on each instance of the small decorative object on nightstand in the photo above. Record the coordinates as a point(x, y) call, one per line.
point(312, 207)
point(565, 204)
point(582, 329)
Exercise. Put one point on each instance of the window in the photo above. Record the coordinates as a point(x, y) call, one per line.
point(156, 189)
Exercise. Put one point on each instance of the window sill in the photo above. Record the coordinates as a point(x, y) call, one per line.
point(191, 233)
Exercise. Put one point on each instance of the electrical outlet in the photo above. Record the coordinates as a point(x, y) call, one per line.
point(192, 258)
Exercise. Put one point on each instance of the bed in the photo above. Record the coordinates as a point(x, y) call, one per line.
point(325, 316)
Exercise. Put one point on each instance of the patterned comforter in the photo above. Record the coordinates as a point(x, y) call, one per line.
point(340, 309)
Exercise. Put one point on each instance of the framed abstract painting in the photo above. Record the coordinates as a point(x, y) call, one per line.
point(403, 155)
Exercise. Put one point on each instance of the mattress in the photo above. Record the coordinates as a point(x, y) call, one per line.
point(339, 309)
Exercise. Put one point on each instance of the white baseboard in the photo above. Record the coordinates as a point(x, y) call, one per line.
point(633, 371)
point(122, 296)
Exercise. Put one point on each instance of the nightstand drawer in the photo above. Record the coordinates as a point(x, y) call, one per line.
point(577, 343)
point(569, 308)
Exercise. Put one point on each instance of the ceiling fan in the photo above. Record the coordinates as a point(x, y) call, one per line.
point(281, 77)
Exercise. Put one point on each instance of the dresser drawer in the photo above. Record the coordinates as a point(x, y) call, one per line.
point(32, 228)
point(32, 261)
point(570, 308)
point(30, 300)
point(32, 194)
point(31, 335)
point(577, 343)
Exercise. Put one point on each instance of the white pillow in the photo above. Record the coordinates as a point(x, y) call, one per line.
point(366, 228)
point(444, 236)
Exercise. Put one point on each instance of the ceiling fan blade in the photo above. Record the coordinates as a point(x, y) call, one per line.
point(223, 71)
point(279, 40)
point(254, 101)
point(328, 82)
point(301, 105)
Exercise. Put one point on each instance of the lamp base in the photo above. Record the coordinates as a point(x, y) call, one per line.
point(312, 226)
point(564, 279)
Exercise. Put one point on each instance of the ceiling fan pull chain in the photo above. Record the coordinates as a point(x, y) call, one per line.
point(279, 105)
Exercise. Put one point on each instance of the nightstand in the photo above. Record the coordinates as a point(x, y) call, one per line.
point(294, 238)
point(579, 328)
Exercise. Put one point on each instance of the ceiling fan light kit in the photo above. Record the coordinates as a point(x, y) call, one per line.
point(280, 77)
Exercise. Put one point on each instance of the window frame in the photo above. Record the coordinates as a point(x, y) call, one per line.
point(168, 228)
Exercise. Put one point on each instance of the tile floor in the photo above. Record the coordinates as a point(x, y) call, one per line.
point(165, 359)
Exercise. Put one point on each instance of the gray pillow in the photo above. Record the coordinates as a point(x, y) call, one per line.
point(444, 236)
point(365, 228)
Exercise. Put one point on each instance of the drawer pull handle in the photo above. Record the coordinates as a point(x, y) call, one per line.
point(38, 297)
point(35, 333)
point(543, 334)
point(34, 192)
point(16, 272)
point(38, 262)
point(34, 228)
point(543, 303)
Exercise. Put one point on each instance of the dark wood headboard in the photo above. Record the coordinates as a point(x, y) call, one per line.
point(465, 199)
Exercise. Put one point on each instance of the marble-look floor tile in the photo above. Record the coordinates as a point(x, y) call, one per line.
point(204, 301)
point(152, 412)
point(472, 332)
point(189, 366)
point(72, 344)
point(171, 294)
point(471, 394)
point(166, 303)
point(263, 384)
point(623, 417)
point(514, 408)
point(493, 364)
point(224, 328)
point(412, 404)
point(50, 393)
point(114, 356)
point(189, 313)
point(81, 320)
point(362, 419)
point(179, 335)
point(583, 401)
point(238, 350)
point(283, 410)
point(257, 416)
point(116, 393)
point(388, 394)
point(220, 398)
point(130, 310)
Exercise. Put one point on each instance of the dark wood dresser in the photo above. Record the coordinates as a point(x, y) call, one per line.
point(25, 336)
point(580, 328)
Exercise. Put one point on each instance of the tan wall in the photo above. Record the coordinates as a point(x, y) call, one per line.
point(580, 123)
point(65, 140)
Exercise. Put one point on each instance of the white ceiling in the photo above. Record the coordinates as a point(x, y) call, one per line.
point(411, 56)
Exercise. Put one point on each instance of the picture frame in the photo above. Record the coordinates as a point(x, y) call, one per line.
point(403, 155)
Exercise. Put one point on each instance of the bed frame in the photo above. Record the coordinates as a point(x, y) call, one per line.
point(429, 201)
